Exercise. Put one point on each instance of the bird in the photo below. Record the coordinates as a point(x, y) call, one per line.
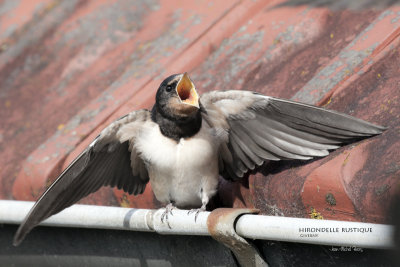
point(185, 142)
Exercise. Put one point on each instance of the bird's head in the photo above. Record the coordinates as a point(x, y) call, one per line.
point(177, 96)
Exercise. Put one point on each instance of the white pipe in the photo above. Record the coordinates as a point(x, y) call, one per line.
point(322, 232)
point(335, 233)
point(85, 216)
point(102, 217)
point(181, 223)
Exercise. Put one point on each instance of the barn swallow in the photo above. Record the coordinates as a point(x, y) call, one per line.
point(185, 142)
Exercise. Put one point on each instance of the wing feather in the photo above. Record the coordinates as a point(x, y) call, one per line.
point(259, 128)
point(107, 161)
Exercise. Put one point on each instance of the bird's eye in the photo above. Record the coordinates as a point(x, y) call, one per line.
point(169, 88)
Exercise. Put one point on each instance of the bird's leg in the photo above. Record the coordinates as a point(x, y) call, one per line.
point(204, 201)
point(168, 210)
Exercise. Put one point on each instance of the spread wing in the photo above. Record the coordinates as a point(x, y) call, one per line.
point(255, 128)
point(110, 160)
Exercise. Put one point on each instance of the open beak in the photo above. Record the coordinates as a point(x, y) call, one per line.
point(187, 92)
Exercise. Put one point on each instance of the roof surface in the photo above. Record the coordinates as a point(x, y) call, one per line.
point(68, 68)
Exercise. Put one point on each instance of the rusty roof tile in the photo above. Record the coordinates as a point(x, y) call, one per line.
point(69, 68)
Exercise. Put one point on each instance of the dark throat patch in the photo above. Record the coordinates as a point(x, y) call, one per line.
point(177, 128)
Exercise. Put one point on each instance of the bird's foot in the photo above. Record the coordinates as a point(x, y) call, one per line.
point(168, 210)
point(196, 212)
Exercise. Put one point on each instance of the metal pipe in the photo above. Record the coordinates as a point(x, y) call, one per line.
point(324, 232)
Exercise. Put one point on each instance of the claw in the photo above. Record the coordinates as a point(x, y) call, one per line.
point(196, 211)
point(164, 216)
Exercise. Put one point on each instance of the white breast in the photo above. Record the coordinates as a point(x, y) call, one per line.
point(180, 171)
